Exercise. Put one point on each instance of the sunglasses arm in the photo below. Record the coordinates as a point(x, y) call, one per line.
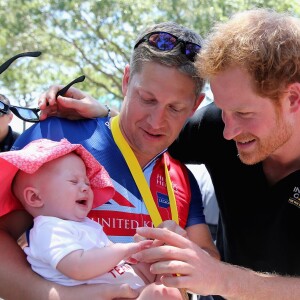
point(65, 89)
point(5, 65)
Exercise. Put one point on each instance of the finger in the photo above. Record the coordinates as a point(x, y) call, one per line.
point(175, 281)
point(173, 226)
point(138, 238)
point(76, 106)
point(144, 244)
point(162, 253)
point(157, 243)
point(167, 236)
point(43, 115)
point(68, 102)
point(49, 97)
point(171, 267)
point(42, 101)
point(133, 248)
point(131, 260)
point(169, 224)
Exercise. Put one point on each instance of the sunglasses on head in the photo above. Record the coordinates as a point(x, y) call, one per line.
point(165, 41)
point(32, 114)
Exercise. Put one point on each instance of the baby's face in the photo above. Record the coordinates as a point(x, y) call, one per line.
point(65, 188)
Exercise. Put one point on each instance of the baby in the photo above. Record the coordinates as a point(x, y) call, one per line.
point(58, 183)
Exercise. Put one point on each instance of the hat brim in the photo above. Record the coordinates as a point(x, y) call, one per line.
point(8, 202)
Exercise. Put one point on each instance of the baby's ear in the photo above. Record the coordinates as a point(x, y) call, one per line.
point(32, 198)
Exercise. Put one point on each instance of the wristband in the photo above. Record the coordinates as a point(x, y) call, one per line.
point(108, 110)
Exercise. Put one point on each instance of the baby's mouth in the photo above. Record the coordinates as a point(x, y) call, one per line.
point(82, 202)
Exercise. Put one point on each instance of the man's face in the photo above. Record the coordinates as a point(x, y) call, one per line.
point(157, 102)
point(258, 127)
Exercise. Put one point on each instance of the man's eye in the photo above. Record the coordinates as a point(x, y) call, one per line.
point(148, 101)
point(175, 109)
point(244, 114)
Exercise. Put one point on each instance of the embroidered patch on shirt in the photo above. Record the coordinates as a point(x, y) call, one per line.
point(163, 200)
point(295, 198)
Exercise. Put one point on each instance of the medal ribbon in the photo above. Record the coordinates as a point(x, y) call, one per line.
point(139, 177)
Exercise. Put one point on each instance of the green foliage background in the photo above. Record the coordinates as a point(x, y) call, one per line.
point(94, 38)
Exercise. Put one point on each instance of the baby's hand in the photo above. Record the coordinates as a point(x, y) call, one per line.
point(133, 248)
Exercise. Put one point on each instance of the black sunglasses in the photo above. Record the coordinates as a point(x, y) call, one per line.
point(32, 114)
point(24, 113)
point(165, 41)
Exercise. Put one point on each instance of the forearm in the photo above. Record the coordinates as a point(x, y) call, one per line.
point(244, 284)
point(87, 264)
point(18, 281)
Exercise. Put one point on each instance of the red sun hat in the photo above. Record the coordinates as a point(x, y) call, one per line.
point(36, 154)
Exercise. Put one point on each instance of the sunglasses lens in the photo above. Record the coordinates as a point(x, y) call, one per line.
point(191, 50)
point(163, 41)
point(27, 114)
point(3, 109)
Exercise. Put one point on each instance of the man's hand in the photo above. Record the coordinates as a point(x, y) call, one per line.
point(173, 226)
point(169, 225)
point(198, 271)
point(73, 105)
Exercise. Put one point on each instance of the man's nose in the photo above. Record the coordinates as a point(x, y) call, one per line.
point(157, 117)
point(231, 128)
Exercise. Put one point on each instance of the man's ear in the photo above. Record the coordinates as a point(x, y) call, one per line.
point(10, 116)
point(125, 80)
point(198, 102)
point(32, 198)
point(294, 96)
